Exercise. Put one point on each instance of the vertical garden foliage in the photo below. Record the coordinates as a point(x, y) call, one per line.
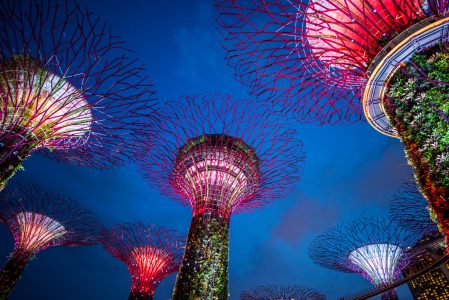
point(204, 271)
point(417, 103)
point(11, 273)
point(11, 148)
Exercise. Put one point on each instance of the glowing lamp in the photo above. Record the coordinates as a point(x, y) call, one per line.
point(378, 261)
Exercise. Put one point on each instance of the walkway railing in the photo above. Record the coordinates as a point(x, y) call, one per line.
point(375, 292)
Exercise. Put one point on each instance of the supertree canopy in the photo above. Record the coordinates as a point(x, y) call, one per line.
point(346, 35)
point(281, 292)
point(151, 253)
point(219, 156)
point(372, 247)
point(39, 219)
point(329, 60)
point(410, 209)
point(313, 56)
point(67, 86)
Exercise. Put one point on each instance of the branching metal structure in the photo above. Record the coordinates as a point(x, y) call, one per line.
point(328, 61)
point(39, 219)
point(410, 209)
point(67, 86)
point(372, 247)
point(281, 292)
point(312, 56)
point(219, 156)
point(151, 253)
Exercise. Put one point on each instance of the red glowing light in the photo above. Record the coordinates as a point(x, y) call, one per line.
point(151, 253)
point(150, 263)
point(334, 28)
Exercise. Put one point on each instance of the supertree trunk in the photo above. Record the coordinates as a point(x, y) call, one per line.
point(11, 272)
point(204, 270)
point(416, 104)
point(136, 295)
point(14, 149)
point(390, 295)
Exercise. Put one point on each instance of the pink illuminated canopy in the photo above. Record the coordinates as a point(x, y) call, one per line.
point(151, 263)
point(345, 33)
point(216, 173)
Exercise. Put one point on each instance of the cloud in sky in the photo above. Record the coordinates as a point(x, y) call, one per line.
point(306, 216)
point(269, 263)
point(197, 45)
point(381, 175)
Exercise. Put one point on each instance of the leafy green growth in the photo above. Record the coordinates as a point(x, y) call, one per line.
point(204, 270)
point(417, 103)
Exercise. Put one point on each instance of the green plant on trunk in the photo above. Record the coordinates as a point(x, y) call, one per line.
point(12, 271)
point(204, 270)
point(417, 104)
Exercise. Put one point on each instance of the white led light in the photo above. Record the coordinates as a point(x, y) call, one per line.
point(46, 104)
point(37, 230)
point(378, 261)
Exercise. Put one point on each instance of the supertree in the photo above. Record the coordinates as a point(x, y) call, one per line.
point(39, 219)
point(68, 87)
point(151, 253)
point(372, 247)
point(281, 292)
point(409, 209)
point(334, 60)
point(219, 156)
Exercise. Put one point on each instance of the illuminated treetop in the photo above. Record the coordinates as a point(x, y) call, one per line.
point(39, 219)
point(311, 58)
point(151, 253)
point(373, 247)
point(409, 209)
point(281, 292)
point(217, 167)
point(68, 85)
point(348, 34)
point(220, 155)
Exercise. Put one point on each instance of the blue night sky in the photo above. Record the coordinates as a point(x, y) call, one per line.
point(350, 171)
